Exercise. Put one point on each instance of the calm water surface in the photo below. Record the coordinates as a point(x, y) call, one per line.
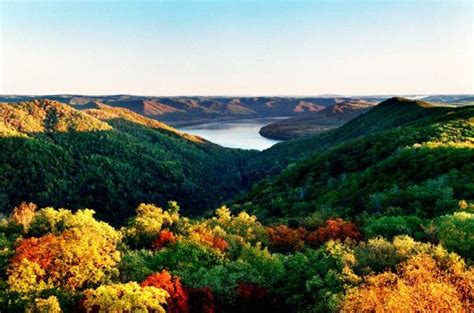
point(235, 134)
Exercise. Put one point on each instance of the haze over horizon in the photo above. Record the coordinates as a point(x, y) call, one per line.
point(229, 48)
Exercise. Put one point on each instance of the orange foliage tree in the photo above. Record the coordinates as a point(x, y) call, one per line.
point(335, 229)
point(423, 284)
point(284, 239)
point(24, 214)
point(203, 234)
point(178, 297)
point(164, 238)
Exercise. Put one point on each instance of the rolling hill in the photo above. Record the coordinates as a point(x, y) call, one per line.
point(179, 111)
point(108, 159)
point(401, 157)
point(317, 122)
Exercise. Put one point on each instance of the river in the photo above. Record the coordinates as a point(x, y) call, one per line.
point(242, 133)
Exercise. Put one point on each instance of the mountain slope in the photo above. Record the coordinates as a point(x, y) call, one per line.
point(389, 114)
point(317, 122)
point(423, 163)
point(108, 159)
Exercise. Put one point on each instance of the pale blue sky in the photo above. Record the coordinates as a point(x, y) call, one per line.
point(236, 48)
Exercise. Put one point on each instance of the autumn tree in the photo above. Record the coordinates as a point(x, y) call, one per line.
point(127, 298)
point(48, 305)
point(23, 214)
point(283, 239)
point(56, 221)
point(242, 225)
point(164, 238)
point(422, 283)
point(254, 298)
point(148, 222)
point(201, 300)
point(335, 229)
point(178, 297)
point(71, 260)
point(203, 234)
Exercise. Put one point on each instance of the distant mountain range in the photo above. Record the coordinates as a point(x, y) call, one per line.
point(187, 110)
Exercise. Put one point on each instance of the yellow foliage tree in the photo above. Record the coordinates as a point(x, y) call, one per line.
point(148, 222)
point(28, 278)
point(76, 258)
point(423, 284)
point(125, 298)
point(49, 305)
point(50, 220)
point(242, 225)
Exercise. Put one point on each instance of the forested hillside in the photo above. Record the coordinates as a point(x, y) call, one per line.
point(108, 159)
point(387, 115)
point(422, 168)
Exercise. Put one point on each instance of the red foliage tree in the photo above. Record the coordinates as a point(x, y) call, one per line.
point(178, 300)
point(165, 238)
point(335, 229)
point(283, 239)
point(201, 300)
point(254, 298)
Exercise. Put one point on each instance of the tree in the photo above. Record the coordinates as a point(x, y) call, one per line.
point(335, 229)
point(244, 225)
point(203, 234)
point(254, 298)
point(50, 220)
point(185, 257)
point(456, 233)
point(127, 298)
point(48, 305)
point(71, 260)
point(165, 238)
point(149, 221)
point(391, 226)
point(316, 280)
point(422, 283)
point(201, 300)
point(283, 239)
point(23, 214)
point(178, 297)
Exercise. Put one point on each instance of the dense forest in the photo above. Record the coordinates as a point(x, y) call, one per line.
point(108, 159)
point(54, 260)
point(374, 216)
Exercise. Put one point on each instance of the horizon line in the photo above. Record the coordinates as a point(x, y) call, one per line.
point(327, 95)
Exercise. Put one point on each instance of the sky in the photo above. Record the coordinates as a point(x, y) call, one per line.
point(268, 47)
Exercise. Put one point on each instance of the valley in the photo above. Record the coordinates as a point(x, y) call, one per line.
point(103, 201)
